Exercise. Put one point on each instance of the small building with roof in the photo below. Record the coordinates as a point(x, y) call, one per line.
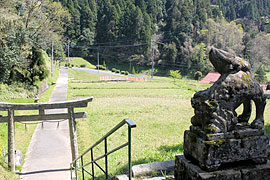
point(211, 77)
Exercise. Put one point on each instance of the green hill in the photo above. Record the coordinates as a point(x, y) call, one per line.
point(80, 62)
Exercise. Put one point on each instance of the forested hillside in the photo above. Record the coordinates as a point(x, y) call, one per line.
point(173, 34)
point(252, 9)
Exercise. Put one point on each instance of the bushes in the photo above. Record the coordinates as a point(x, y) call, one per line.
point(100, 67)
point(133, 70)
point(260, 74)
point(35, 72)
point(175, 74)
point(119, 71)
point(197, 75)
point(83, 65)
point(124, 72)
point(116, 70)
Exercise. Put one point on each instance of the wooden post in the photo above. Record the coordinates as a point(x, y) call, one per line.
point(72, 134)
point(42, 112)
point(11, 146)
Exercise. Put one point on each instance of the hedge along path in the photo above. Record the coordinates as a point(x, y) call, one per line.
point(54, 143)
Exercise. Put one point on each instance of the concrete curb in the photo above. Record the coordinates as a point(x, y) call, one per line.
point(120, 177)
point(159, 178)
point(149, 169)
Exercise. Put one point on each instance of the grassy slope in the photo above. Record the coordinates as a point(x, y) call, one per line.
point(78, 61)
point(22, 136)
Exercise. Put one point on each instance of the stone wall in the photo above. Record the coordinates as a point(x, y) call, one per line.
point(43, 87)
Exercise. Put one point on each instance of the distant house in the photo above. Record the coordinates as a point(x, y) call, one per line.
point(210, 77)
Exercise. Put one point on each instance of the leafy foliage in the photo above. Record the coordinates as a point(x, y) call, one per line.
point(133, 70)
point(175, 34)
point(181, 31)
point(260, 75)
point(25, 28)
point(197, 75)
point(252, 9)
point(175, 74)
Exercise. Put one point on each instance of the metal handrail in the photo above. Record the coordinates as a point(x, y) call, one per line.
point(74, 165)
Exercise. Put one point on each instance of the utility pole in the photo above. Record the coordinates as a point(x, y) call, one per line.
point(152, 45)
point(129, 65)
point(52, 58)
point(98, 59)
point(68, 53)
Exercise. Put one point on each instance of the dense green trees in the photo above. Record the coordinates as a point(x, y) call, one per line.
point(183, 29)
point(252, 9)
point(25, 28)
point(175, 34)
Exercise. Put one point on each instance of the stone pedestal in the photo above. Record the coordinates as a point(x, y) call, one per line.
point(187, 170)
point(213, 150)
point(240, 154)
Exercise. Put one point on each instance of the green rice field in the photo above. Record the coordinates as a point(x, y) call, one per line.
point(161, 110)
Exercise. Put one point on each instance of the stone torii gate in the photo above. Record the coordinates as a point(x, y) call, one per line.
point(70, 115)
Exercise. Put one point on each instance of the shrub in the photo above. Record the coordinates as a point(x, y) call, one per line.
point(123, 72)
point(126, 73)
point(100, 67)
point(117, 71)
point(197, 75)
point(133, 70)
point(113, 70)
point(260, 74)
point(175, 74)
point(83, 65)
point(104, 65)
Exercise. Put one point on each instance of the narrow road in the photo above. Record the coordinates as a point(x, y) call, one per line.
point(108, 73)
point(96, 71)
point(49, 153)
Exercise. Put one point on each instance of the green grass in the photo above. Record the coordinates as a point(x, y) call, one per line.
point(16, 90)
point(23, 134)
point(78, 61)
point(4, 173)
point(82, 76)
point(53, 79)
point(161, 110)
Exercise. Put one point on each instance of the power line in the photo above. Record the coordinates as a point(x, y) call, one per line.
point(115, 42)
point(116, 46)
point(163, 64)
point(97, 45)
point(162, 42)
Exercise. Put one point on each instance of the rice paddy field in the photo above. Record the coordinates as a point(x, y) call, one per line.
point(161, 109)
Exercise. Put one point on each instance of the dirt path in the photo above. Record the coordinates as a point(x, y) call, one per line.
point(49, 153)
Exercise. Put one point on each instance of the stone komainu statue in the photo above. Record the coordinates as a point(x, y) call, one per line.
point(218, 135)
point(215, 107)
